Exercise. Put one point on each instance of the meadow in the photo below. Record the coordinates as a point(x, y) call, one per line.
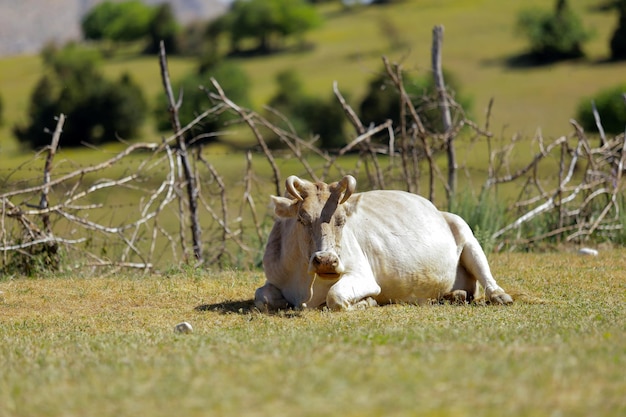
point(101, 343)
point(104, 345)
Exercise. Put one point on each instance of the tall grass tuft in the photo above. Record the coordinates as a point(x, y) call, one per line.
point(619, 237)
point(484, 214)
point(35, 260)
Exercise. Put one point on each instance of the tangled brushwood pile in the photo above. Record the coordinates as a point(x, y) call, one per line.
point(153, 205)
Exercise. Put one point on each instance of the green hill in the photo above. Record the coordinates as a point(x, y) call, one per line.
point(480, 49)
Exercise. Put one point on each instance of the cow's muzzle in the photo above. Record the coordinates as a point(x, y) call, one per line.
point(326, 265)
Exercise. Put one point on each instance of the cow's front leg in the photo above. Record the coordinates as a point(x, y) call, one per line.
point(352, 292)
point(270, 298)
point(363, 304)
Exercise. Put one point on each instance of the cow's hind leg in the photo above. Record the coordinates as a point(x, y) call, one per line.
point(465, 288)
point(456, 297)
point(473, 261)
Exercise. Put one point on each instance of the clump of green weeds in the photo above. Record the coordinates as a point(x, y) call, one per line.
point(484, 214)
point(42, 258)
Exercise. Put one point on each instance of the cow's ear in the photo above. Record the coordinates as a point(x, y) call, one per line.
point(284, 207)
point(350, 207)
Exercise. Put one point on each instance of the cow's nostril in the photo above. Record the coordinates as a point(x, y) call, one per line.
point(325, 259)
point(326, 265)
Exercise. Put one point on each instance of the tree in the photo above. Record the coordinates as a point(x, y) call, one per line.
point(267, 20)
point(163, 27)
point(126, 21)
point(618, 40)
point(233, 81)
point(611, 108)
point(312, 115)
point(553, 36)
point(97, 110)
point(123, 109)
point(382, 100)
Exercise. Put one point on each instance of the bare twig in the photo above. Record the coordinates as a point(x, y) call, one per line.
point(395, 74)
point(224, 204)
point(596, 118)
point(290, 139)
point(365, 143)
point(247, 118)
point(354, 119)
point(247, 197)
point(46, 173)
point(189, 178)
point(524, 170)
point(83, 171)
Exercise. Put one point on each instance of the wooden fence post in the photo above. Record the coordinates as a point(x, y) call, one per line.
point(445, 109)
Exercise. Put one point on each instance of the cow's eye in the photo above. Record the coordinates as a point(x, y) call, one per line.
point(340, 221)
point(304, 219)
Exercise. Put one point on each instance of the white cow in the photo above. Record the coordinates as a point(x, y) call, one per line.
point(331, 246)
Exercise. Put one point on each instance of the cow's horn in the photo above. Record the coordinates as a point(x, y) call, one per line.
point(290, 183)
point(347, 183)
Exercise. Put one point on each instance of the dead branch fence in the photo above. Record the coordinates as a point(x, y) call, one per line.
point(137, 208)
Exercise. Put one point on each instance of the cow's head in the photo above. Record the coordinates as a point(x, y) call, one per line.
point(319, 216)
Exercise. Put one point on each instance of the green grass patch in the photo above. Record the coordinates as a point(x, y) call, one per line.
point(104, 345)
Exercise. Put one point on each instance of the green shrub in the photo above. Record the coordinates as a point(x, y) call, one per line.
point(192, 40)
point(611, 108)
point(35, 260)
point(618, 39)
point(382, 100)
point(117, 21)
point(163, 27)
point(268, 20)
point(98, 110)
point(307, 114)
point(233, 81)
point(553, 35)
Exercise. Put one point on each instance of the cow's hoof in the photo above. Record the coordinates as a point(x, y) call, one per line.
point(500, 298)
point(363, 304)
point(261, 306)
point(456, 296)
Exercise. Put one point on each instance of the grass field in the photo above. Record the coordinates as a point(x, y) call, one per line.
point(105, 346)
point(100, 344)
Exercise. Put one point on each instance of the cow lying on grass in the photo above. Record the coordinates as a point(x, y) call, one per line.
point(345, 250)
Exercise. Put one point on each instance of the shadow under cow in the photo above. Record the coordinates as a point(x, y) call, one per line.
point(229, 306)
point(244, 307)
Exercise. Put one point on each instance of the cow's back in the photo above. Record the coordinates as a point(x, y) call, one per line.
point(408, 243)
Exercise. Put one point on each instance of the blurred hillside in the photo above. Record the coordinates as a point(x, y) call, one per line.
point(27, 25)
point(482, 50)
